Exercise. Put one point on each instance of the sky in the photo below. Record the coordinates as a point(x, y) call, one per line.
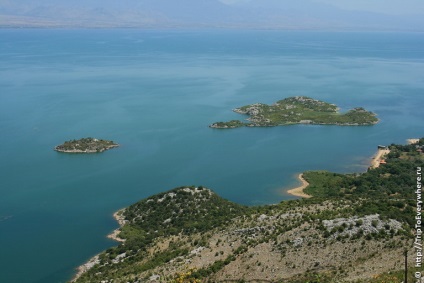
point(394, 7)
point(281, 14)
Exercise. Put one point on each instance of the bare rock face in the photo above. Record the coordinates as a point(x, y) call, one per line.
point(361, 225)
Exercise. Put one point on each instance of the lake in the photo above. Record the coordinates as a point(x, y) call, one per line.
point(155, 92)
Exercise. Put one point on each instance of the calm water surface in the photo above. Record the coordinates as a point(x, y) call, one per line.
point(155, 92)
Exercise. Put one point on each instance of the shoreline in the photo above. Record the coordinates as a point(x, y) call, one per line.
point(85, 267)
point(412, 141)
point(378, 157)
point(113, 236)
point(58, 149)
point(298, 191)
point(375, 163)
point(121, 221)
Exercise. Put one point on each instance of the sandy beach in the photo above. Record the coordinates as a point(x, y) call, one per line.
point(298, 191)
point(378, 157)
point(412, 141)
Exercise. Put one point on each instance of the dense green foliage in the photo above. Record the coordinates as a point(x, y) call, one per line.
point(185, 210)
point(298, 110)
point(388, 189)
point(182, 210)
point(86, 145)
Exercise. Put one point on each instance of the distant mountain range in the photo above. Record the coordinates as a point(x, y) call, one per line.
point(270, 14)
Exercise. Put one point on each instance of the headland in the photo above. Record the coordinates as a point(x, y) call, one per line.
point(350, 225)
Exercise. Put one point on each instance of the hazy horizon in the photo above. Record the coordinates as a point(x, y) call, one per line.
point(263, 14)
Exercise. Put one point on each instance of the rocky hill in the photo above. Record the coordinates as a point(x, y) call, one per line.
point(355, 229)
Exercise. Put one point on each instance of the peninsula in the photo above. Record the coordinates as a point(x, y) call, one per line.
point(86, 145)
point(353, 228)
point(298, 110)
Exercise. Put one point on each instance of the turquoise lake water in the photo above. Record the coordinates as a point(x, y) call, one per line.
point(155, 93)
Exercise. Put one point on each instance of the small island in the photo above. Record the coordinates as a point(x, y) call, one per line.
point(298, 110)
point(86, 145)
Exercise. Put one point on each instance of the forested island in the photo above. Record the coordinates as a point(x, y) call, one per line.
point(354, 228)
point(86, 145)
point(298, 110)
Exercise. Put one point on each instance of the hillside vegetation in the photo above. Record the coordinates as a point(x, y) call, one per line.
point(355, 228)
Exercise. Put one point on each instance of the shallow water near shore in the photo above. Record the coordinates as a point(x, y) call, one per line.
point(155, 93)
